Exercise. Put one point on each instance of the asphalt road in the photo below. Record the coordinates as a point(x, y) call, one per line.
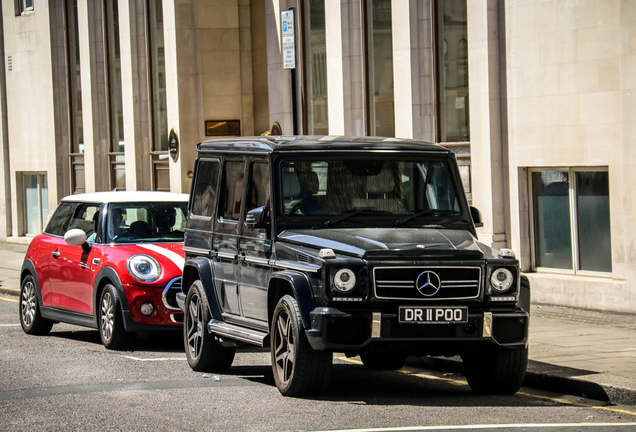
point(68, 381)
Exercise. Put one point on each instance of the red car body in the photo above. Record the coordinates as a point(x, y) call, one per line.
point(69, 277)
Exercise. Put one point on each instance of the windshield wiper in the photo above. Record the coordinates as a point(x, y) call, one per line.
point(429, 212)
point(350, 213)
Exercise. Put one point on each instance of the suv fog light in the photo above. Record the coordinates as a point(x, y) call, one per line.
point(501, 279)
point(147, 309)
point(344, 280)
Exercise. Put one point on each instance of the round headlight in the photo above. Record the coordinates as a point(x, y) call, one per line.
point(344, 280)
point(143, 268)
point(501, 279)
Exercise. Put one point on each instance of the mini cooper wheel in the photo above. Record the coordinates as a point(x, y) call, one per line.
point(497, 372)
point(298, 369)
point(30, 318)
point(203, 352)
point(110, 320)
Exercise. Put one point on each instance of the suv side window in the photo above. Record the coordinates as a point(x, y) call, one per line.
point(259, 186)
point(233, 190)
point(204, 193)
point(62, 216)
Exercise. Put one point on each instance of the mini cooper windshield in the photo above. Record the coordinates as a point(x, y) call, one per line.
point(338, 190)
point(146, 222)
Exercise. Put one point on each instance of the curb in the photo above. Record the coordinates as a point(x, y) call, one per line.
point(539, 377)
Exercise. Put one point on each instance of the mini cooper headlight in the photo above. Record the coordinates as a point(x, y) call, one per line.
point(144, 268)
point(501, 280)
point(344, 280)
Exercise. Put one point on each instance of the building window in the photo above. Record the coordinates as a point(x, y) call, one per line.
point(315, 68)
point(36, 202)
point(116, 118)
point(23, 6)
point(379, 42)
point(160, 156)
point(571, 220)
point(452, 71)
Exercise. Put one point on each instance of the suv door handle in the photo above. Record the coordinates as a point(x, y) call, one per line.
point(56, 253)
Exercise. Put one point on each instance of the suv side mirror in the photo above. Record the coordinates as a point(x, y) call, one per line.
point(476, 215)
point(256, 218)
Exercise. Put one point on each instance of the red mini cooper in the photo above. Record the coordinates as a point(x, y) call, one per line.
point(107, 260)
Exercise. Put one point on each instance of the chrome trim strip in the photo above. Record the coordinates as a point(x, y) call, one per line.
point(376, 325)
point(257, 260)
point(227, 255)
point(292, 265)
point(196, 251)
point(487, 327)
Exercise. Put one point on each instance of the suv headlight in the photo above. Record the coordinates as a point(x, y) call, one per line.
point(344, 280)
point(144, 268)
point(501, 280)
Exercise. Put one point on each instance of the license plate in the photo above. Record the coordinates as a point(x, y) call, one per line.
point(433, 315)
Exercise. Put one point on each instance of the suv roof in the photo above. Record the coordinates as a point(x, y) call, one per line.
point(127, 196)
point(275, 144)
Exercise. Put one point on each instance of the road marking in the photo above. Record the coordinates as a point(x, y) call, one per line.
point(154, 359)
point(486, 426)
point(9, 300)
point(589, 403)
point(9, 325)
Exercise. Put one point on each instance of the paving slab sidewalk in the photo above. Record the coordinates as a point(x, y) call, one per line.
point(577, 352)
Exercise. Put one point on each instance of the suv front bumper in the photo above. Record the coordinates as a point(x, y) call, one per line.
point(336, 330)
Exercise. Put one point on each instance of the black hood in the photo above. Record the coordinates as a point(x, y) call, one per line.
point(401, 243)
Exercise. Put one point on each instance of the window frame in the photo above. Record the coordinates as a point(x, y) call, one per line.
point(574, 224)
point(21, 7)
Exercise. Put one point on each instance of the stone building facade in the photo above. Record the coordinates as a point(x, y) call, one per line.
point(536, 97)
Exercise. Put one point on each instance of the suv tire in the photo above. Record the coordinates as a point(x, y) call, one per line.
point(495, 372)
point(298, 369)
point(203, 352)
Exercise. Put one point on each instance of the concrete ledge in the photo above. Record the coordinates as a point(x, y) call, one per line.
point(542, 376)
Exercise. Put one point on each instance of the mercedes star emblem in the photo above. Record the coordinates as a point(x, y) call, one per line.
point(428, 283)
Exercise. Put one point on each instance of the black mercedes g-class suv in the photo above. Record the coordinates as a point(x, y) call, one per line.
point(362, 246)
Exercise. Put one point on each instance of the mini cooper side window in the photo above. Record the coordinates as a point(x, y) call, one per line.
point(204, 193)
point(60, 220)
point(85, 218)
point(232, 190)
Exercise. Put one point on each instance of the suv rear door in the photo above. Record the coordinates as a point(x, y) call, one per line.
point(255, 246)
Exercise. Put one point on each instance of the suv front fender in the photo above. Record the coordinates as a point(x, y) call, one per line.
point(200, 268)
point(281, 283)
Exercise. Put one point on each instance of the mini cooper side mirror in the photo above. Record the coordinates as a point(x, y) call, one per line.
point(476, 215)
point(75, 237)
point(256, 218)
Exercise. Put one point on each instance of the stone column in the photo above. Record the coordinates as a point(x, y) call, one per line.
point(489, 152)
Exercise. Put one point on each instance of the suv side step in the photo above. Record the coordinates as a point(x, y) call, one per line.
point(242, 334)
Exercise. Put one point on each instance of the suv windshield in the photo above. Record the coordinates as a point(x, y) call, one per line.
point(146, 222)
point(341, 189)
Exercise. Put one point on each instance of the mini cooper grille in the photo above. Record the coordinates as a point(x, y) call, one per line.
point(434, 283)
point(169, 295)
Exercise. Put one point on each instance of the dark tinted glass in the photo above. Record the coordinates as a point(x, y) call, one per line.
point(259, 186)
point(58, 223)
point(593, 214)
point(233, 190)
point(205, 188)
